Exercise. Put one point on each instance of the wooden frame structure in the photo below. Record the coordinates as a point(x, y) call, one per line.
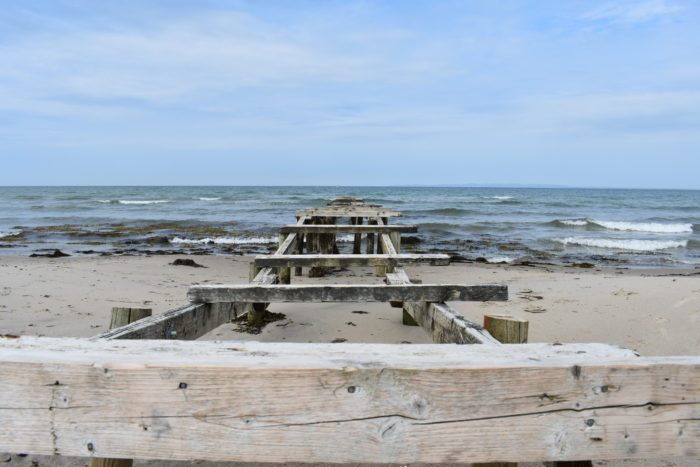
point(157, 396)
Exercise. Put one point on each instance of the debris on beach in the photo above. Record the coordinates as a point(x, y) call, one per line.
point(54, 254)
point(186, 262)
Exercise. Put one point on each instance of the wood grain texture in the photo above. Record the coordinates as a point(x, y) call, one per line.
point(507, 328)
point(345, 293)
point(351, 260)
point(265, 402)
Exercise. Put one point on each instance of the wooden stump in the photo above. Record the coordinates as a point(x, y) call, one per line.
point(285, 274)
point(121, 317)
point(506, 328)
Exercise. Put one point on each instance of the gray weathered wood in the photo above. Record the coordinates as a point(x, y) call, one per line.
point(346, 293)
point(285, 273)
point(187, 322)
point(349, 211)
point(445, 325)
point(322, 402)
point(122, 316)
point(349, 229)
point(343, 260)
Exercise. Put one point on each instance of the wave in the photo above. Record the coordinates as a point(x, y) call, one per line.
point(445, 211)
point(652, 227)
point(618, 244)
point(225, 240)
point(11, 233)
point(501, 198)
point(155, 201)
point(208, 199)
point(500, 259)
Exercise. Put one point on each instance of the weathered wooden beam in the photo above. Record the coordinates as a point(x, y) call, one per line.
point(349, 229)
point(349, 211)
point(346, 293)
point(343, 260)
point(319, 402)
point(187, 322)
point(444, 324)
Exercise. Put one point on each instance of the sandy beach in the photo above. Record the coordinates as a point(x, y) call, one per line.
point(651, 311)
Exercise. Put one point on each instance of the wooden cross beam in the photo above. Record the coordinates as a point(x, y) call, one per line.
point(345, 293)
point(349, 229)
point(343, 261)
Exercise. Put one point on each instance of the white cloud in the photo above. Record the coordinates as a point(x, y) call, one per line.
point(632, 12)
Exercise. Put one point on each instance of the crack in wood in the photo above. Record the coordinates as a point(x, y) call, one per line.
point(568, 409)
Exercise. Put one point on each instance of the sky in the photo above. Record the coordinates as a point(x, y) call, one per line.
point(574, 93)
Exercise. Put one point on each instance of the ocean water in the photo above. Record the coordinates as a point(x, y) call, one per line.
point(635, 228)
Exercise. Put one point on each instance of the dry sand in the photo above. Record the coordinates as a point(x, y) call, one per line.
point(655, 312)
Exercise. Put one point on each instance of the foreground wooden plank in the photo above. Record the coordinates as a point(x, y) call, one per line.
point(357, 260)
point(262, 402)
point(345, 293)
point(444, 324)
point(349, 229)
point(187, 322)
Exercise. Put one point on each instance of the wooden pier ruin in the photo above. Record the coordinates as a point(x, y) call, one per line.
point(141, 390)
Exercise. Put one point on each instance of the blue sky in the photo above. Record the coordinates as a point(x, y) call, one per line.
point(579, 93)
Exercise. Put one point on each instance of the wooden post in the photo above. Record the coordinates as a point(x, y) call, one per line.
point(357, 245)
point(285, 274)
point(507, 329)
point(370, 239)
point(121, 317)
point(300, 251)
point(396, 241)
point(379, 271)
point(256, 311)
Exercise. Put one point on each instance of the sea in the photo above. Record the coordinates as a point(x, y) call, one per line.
point(564, 226)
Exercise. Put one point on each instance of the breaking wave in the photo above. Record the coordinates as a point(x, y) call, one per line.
point(225, 240)
point(134, 201)
point(619, 244)
point(11, 233)
point(652, 227)
point(203, 198)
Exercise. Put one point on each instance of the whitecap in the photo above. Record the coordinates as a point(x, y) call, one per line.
point(497, 197)
point(500, 259)
point(575, 222)
point(652, 227)
point(11, 233)
point(225, 240)
point(345, 238)
point(104, 201)
point(147, 201)
point(620, 244)
point(208, 199)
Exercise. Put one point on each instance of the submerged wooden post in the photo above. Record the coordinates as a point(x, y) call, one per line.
point(121, 317)
point(507, 329)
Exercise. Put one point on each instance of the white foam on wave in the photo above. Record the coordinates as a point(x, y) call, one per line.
point(10, 233)
point(575, 222)
point(500, 259)
point(145, 201)
point(208, 199)
point(345, 238)
point(225, 240)
point(653, 227)
point(619, 244)
point(497, 197)
point(104, 200)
